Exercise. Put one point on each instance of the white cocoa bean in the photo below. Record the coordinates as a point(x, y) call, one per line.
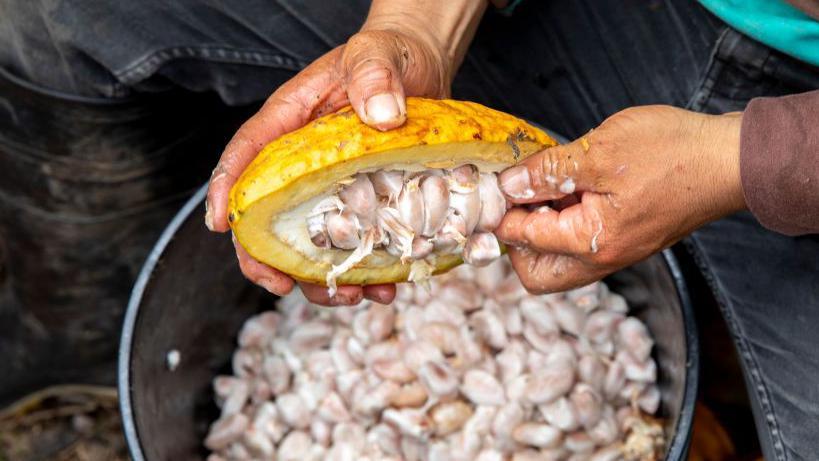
point(579, 442)
point(615, 303)
point(310, 336)
point(463, 179)
point(317, 230)
point(588, 403)
point(411, 395)
point(493, 203)
point(633, 336)
point(393, 370)
point(295, 446)
point(489, 454)
point(537, 313)
point(586, 298)
point(615, 380)
point(482, 388)
point(259, 330)
point(387, 184)
point(411, 206)
point(436, 204)
point(560, 414)
point(437, 311)
point(442, 335)
point(417, 353)
point(613, 452)
point(343, 228)
point(489, 327)
point(236, 399)
point(246, 362)
point(537, 435)
point(606, 430)
point(321, 431)
point(293, 410)
point(359, 197)
point(332, 409)
point(438, 379)
point(601, 325)
point(385, 438)
point(548, 384)
point(592, 371)
point(508, 417)
point(226, 430)
point(649, 400)
point(644, 372)
point(570, 318)
point(409, 421)
point(381, 320)
point(449, 417)
point(481, 248)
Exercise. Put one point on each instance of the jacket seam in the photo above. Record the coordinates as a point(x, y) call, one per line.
point(149, 63)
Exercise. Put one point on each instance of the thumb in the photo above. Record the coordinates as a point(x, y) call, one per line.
point(372, 68)
point(550, 174)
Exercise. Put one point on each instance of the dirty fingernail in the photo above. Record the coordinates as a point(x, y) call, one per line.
point(344, 299)
point(382, 108)
point(208, 216)
point(516, 183)
point(379, 296)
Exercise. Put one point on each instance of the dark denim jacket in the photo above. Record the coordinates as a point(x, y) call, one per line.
point(105, 48)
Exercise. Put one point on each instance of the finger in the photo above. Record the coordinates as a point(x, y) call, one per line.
point(548, 272)
point(372, 68)
point(578, 230)
point(289, 108)
point(261, 274)
point(345, 295)
point(382, 294)
point(550, 174)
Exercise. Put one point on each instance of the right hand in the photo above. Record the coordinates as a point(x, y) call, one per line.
point(373, 72)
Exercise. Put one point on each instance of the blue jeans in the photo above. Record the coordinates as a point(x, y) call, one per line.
point(565, 64)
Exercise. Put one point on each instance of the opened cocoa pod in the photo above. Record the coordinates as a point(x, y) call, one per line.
point(338, 202)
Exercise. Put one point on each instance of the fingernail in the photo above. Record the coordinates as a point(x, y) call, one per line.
point(343, 299)
point(515, 183)
point(267, 284)
point(382, 108)
point(378, 297)
point(208, 217)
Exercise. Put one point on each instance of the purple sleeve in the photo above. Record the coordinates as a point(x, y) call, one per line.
point(779, 162)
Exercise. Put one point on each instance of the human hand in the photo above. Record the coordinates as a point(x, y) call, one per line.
point(396, 54)
point(642, 180)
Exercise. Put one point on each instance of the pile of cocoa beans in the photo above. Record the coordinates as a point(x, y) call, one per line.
point(475, 368)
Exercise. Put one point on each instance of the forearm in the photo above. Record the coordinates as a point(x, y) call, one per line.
point(780, 162)
point(447, 25)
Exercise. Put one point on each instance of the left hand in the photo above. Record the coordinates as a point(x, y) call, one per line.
point(641, 181)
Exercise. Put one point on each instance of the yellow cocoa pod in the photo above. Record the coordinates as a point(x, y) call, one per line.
point(270, 201)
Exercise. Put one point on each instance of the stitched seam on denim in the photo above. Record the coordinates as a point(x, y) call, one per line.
point(743, 348)
point(703, 90)
point(146, 65)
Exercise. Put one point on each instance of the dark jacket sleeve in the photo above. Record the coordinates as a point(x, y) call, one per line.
point(779, 162)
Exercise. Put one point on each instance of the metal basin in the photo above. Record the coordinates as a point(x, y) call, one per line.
point(190, 297)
